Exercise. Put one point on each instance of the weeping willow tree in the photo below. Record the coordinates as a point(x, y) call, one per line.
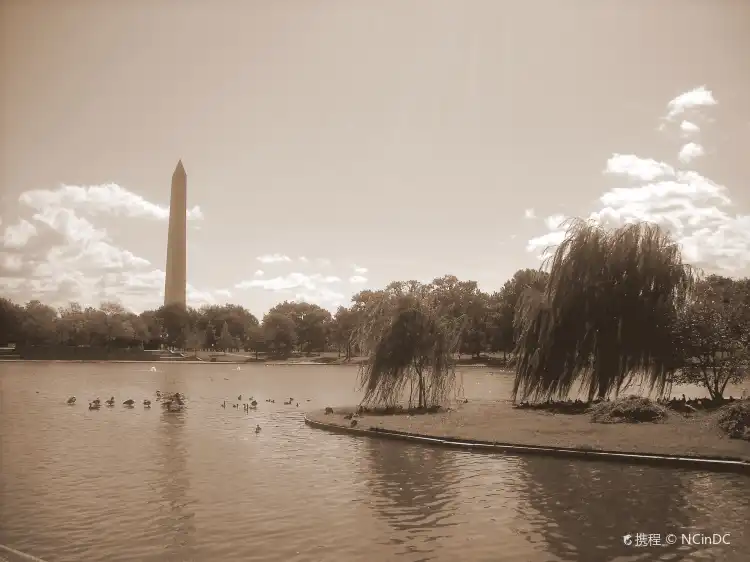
point(606, 315)
point(410, 345)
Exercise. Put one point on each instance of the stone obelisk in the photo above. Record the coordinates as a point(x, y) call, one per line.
point(176, 278)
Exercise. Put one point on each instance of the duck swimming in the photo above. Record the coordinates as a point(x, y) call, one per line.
point(257, 429)
point(111, 401)
point(72, 400)
point(94, 406)
point(147, 403)
point(129, 403)
point(97, 402)
point(254, 404)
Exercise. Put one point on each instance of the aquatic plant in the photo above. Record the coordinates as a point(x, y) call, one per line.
point(734, 420)
point(605, 316)
point(632, 409)
point(410, 343)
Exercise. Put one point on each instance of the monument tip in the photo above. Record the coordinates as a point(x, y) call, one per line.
point(180, 169)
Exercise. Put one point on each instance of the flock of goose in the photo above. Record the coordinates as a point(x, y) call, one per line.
point(172, 402)
point(175, 402)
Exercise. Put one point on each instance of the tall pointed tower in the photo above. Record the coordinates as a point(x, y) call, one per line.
point(176, 278)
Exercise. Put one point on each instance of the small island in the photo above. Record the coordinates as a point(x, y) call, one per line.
point(616, 307)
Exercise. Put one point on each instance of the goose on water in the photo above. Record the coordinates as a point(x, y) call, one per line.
point(72, 400)
point(93, 406)
point(111, 401)
point(254, 404)
point(147, 403)
point(97, 402)
point(128, 402)
point(257, 429)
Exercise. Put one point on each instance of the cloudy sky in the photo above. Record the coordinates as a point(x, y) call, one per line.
point(335, 145)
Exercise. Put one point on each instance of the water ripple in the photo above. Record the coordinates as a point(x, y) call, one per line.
point(141, 484)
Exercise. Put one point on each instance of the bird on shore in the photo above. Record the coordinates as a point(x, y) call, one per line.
point(257, 429)
point(72, 400)
point(147, 403)
point(129, 403)
point(111, 401)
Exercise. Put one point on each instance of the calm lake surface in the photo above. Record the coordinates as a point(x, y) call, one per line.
point(136, 484)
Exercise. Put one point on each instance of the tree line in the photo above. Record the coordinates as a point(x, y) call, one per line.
point(609, 308)
point(286, 328)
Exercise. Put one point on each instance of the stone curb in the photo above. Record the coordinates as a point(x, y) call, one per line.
point(693, 463)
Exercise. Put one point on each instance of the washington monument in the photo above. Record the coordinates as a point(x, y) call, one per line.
point(176, 278)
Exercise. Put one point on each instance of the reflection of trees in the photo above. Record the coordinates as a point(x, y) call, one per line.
point(411, 487)
point(583, 508)
point(719, 503)
point(177, 520)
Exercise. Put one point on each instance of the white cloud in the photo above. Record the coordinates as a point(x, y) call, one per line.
point(689, 152)
point(16, 236)
point(554, 221)
point(359, 269)
point(273, 258)
point(323, 262)
point(357, 279)
point(110, 199)
point(689, 127)
point(697, 97)
point(69, 258)
point(529, 214)
point(638, 168)
point(699, 212)
point(303, 259)
point(259, 273)
point(290, 281)
point(321, 297)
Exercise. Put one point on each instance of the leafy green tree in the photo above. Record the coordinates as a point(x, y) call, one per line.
point(173, 319)
point(413, 349)
point(311, 323)
point(343, 326)
point(255, 340)
point(193, 338)
point(279, 333)
point(38, 324)
point(226, 340)
point(606, 315)
point(713, 335)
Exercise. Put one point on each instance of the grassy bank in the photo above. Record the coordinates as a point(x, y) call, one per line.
point(498, 421)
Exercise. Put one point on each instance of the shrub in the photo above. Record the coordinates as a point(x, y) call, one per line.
point(633, 409)
point(734, 420)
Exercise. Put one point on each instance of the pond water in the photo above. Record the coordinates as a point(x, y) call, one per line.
point(141, 484)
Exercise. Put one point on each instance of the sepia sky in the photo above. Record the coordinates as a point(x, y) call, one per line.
point(336, 145)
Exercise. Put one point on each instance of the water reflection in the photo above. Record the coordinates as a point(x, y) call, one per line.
point(176, 519)
point(718, 504)
point(411, 489)
point(589, 506)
